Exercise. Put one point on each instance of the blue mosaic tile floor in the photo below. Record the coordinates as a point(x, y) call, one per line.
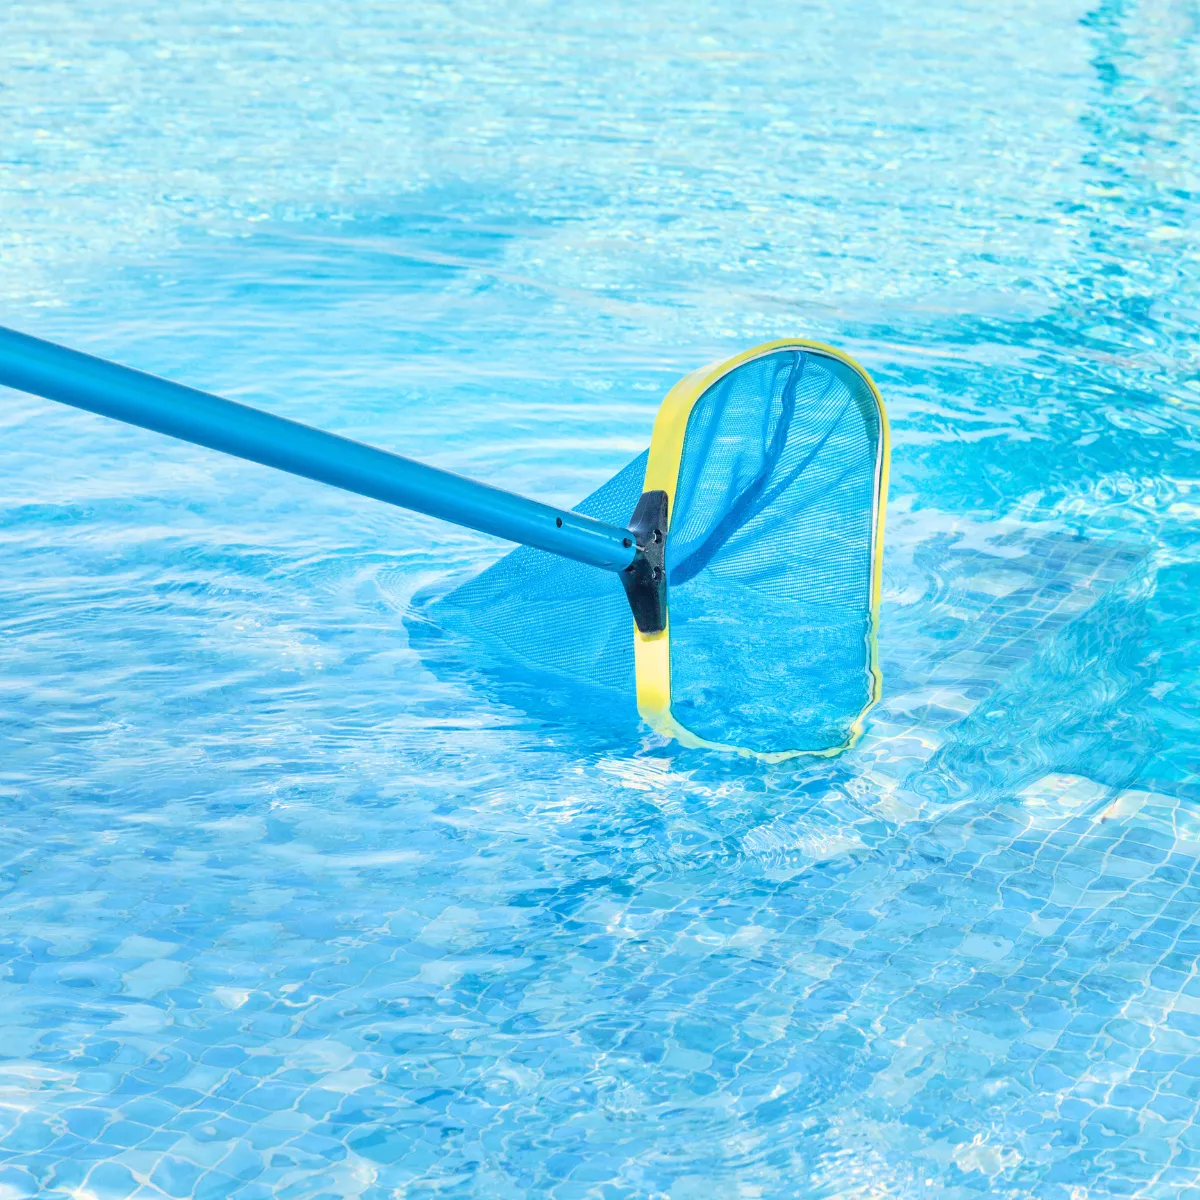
point(284, 913)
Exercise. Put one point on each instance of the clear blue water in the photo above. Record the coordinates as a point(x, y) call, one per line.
point(286, 912)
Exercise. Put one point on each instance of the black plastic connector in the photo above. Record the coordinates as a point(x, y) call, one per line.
point(645, 579)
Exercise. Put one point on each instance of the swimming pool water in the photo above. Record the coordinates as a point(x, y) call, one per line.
point(286, 912)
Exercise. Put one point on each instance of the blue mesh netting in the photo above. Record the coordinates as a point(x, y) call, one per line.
point(553, 617)
point(769, 570)
point(769, 555)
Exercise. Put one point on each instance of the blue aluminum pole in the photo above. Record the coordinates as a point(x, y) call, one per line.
point(45, 369)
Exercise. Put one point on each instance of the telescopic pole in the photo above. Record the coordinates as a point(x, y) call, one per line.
point(46, 369)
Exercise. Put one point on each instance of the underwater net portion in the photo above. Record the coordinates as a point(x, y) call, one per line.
point(771, 556)
point(552, 619)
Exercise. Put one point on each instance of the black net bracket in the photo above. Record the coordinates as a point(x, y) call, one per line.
point(645, 579)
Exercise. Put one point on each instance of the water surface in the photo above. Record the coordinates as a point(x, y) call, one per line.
point(286, 913)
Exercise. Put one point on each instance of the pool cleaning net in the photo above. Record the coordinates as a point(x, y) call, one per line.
point(774, 468)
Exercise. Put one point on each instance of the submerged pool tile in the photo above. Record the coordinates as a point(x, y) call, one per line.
point(252, 829)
